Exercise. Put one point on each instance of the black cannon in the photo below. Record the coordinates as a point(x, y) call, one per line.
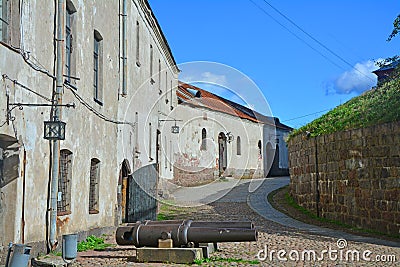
point(183, 233)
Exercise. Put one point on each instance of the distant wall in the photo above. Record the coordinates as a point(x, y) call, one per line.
point(358, 173)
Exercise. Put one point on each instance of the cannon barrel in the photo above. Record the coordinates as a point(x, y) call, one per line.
point(206, 224)
point(183, 232)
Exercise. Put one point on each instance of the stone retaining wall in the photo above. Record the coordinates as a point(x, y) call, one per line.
point(351, 176)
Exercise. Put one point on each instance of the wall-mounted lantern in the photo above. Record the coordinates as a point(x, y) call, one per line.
point(54, 130)
point(175, 129)
point(230, 137)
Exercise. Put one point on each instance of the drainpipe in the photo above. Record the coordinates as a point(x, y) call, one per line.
point(57, 116)
point(124, 43)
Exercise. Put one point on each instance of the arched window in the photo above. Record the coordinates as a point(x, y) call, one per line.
point(64, 183)
point(203, 139)
point(238, 146)
point(98, 68)
point(259, 149)
point(94, 186)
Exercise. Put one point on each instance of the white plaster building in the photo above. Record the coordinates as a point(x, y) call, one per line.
point(112, 133)
point(221, 138)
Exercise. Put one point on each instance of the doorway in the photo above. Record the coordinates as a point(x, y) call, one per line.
point(222, 152)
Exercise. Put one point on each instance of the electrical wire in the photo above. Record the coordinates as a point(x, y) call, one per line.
point(26, 87)
point(297, 36)
point(292, 119)
point(93, 110)
point(310, 36)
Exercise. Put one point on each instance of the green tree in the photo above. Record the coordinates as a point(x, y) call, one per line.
point(396, 28)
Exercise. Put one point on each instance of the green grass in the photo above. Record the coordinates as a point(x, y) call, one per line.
point(373, 107)
point(290, 201)
point(170, 211)
point(229, 260)
point(93, 243)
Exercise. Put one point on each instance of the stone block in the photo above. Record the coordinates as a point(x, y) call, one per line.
point(170, 255)
point(208, 248)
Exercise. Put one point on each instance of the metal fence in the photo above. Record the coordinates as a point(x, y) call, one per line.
point(142, 194)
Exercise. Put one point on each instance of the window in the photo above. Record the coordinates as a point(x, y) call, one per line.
point(137, 44)
point(165, 153)
point(238, 146)
point(166, 88)
point(159, 77)
point(97, 68)
point(64, 183)
point(150, 143)
point(69, 60)
point(259, 149)
point(10, 22)
point(94, 186)
point(203, 139)
point(151, 65)
point(3, 20)
point(171, 107)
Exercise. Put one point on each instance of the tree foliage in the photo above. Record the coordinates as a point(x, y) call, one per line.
point(396, 28)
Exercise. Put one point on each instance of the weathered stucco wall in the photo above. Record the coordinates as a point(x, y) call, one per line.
point(90, 132)
point(196, 164)
point(358, 174)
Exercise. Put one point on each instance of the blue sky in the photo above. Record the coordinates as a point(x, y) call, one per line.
point(297, 75)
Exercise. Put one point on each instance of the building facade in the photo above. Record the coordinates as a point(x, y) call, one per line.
point(118, 73)
point(221, 138)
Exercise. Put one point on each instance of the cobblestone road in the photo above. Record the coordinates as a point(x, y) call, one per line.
point(278, 245)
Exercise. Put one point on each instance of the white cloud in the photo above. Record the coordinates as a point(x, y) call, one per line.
point(357, 80)
point(214, 78)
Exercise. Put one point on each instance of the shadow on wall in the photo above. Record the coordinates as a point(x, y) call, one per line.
point(272, 162)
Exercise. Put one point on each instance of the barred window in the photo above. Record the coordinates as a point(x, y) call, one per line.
point(64, 183)
point(94, 186)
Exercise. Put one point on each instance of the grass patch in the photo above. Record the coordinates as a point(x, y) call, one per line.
point(93, 243)
point(168, 210)
point(56, 253)
point(309, 217)
point(229, 260)
point(376, 106)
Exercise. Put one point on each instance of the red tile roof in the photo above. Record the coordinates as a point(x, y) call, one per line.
point(198, 97)
point(208, 100)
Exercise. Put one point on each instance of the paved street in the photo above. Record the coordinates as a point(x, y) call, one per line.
point(297, 243)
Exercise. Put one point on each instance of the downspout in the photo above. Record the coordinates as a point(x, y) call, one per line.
point(57, 116)
point(124, 43)
point(23, 200)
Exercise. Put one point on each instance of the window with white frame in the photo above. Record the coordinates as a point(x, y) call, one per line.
point(94, 186)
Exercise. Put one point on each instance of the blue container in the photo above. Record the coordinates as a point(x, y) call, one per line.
point(69, 246)
point(20, 256)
